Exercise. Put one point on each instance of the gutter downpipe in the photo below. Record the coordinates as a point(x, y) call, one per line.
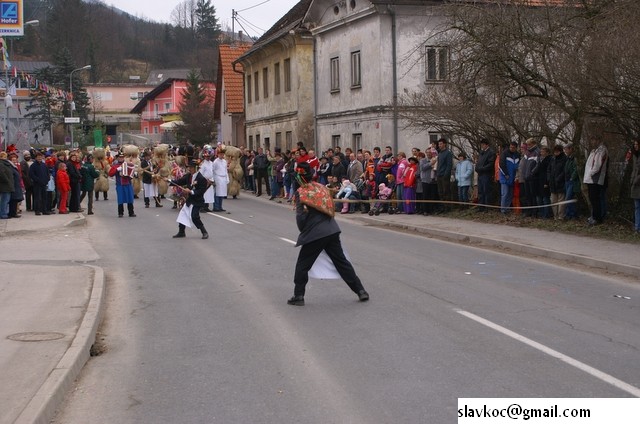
point(234, 135)
point(315, 99)
point(394, 55)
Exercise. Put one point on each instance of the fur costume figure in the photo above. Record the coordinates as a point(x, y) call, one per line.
point(101, 164)
point(132, 154)
point(161, 161)
point(232, 155)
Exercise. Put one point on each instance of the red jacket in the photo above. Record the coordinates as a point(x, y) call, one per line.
point(62, 181)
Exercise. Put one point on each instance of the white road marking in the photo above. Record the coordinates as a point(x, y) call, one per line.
point(224, 217)
point(554, 353)
point(287, 240)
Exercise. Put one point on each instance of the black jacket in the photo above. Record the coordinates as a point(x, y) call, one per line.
point(313, 224)
point(199, 186)
point(39, 174)
point(486, 162)
point(145, 168)
point(6, 176)
point(555, 173)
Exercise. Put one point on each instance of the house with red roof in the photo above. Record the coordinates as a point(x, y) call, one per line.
point(229, 104)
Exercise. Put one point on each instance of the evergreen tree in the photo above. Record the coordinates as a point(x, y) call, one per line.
point(197, 113)
point(44, 108)
point(207, 25)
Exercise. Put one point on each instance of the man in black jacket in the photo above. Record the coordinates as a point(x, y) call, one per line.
point(485, 167)
point(318, 232)
point(75, 178)
point(39, 176)
point(194, 184)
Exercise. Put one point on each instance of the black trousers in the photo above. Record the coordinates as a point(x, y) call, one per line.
point(195, 217)
point(595, 198)
point(310, 252)
point(40, 199)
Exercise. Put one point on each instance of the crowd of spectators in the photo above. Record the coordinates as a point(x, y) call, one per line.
point(529, 179)
point(44, 182)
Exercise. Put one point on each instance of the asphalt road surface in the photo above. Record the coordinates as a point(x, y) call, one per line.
point(198, 331)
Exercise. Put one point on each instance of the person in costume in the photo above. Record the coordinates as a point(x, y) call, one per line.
point(220, 180)
point(194, 184)
point(89, 175)
point(206, 169)
point(102, 165)
point(124, 172)
point(149, 180)
point(319, 232)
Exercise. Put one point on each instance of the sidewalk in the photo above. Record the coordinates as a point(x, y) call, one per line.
point(47, 326)
point(50, 309)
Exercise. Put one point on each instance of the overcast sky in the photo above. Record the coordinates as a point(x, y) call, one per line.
point(255, 16)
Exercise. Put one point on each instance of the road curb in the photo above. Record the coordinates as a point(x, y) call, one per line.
point(42, 407)
point(512, 246)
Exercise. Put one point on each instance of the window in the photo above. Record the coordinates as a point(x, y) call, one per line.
point(156, 110)
point(276, 78)
point(437, 63)
point(287, 75)
point(279, 140)
point(256, 90)
point(155, 130)
point(288, 136)
point(356, 142)
point(335, 74)
point(355, 70)
point(335, 140)
point(167, 107)
point(249, 88)
point(265, 82)
point(251, 142)
point(267, 143)
point(257, 141)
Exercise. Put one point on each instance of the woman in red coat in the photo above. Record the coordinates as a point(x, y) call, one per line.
point(63, 185)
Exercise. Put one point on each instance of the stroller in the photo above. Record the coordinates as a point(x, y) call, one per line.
point(384, 193)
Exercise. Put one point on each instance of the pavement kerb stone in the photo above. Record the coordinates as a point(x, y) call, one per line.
point(42, 407)
point(512, 246)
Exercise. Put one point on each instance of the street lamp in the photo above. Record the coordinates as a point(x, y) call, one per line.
point(72, 105)
point(8, 101)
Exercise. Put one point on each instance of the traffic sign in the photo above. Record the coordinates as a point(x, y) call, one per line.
point(72, 120)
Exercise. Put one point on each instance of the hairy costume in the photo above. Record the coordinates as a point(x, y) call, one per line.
point(101, 165)
point(163, 165)
point(232, 156)
point(132, 155)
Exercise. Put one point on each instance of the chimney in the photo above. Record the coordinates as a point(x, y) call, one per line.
point(239, 35)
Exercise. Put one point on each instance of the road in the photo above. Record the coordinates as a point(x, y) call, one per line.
point(198, 331)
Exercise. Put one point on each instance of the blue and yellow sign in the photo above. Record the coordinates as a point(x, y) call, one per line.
point(11, 18)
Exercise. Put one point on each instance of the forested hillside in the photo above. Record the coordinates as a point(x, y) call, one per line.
point(116, 44)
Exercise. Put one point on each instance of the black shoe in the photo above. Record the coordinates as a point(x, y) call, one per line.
point(272, 197)
point(205, 236)
point(89, 213)
point(179, 235)
point(132, 215)
point(158, 205)
point(120, 215)
point(206, 210)
point(146, 206)
point(47, 213)
point(363, 296)
point(296, 301)
point(38, 213)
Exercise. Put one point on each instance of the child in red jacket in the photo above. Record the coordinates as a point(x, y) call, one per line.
point(63, 185)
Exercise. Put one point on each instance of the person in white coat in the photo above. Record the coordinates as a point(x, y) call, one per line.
point(206, 169)
point(220, 179)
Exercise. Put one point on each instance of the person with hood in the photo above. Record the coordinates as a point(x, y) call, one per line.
point(319, 232)
point(464, 175)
